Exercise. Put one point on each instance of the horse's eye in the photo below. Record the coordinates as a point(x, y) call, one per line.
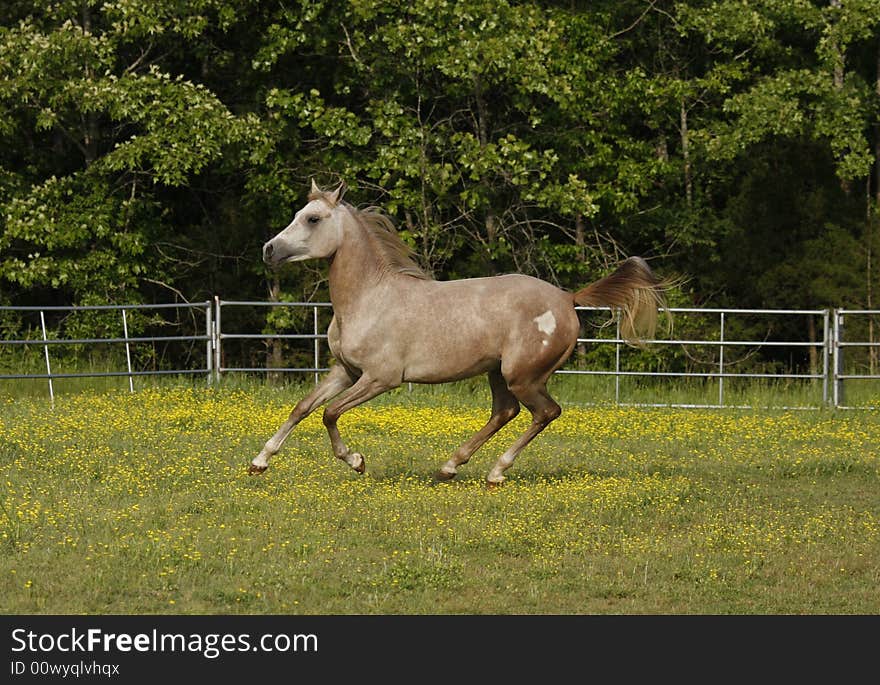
point(314, 220)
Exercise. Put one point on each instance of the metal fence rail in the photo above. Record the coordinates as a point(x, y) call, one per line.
point(828, 349)
point(721, 343)
point(839, 346)
point(316, 335)
point(46, 342)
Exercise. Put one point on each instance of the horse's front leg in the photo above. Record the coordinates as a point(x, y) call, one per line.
point(364, 389)
point(337, 380)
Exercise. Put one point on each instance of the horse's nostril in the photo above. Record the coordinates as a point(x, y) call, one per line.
point(267, 252)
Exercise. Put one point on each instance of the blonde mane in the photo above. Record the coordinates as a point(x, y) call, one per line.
point(396, 254)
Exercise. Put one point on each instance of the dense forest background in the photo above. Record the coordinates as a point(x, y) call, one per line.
point(148, 149)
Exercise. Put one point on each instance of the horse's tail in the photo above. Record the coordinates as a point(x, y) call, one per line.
point(635, 292)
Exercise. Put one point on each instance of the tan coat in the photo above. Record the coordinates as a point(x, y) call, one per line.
point(393, 324)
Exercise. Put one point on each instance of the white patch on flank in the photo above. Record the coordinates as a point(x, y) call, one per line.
point(546, 322)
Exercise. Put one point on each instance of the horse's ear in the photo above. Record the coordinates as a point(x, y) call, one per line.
point(315, 189)
point(336, 195)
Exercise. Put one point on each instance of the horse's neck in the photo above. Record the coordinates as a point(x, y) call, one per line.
point(354, 270)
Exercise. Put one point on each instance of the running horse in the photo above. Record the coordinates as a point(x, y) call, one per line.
point(392, 323)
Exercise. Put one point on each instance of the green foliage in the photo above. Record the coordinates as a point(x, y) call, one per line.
point(101, 131)
point(150, 149)
point(73, 235)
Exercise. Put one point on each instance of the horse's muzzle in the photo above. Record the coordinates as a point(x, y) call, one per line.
point(276, 253)
point(268, 251)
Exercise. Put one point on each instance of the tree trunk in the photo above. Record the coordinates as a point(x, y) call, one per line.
point(686, 155)
point(838, 77)
point(580, 242)
point(873, 220)
point(91, 132)
point(814, 352)
point(491, 221)
point(839, 57)
point(579, 239)
point(274, 352)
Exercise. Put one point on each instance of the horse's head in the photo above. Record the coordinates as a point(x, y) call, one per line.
point(314, 233)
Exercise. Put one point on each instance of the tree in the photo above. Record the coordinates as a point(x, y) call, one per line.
point(97, 131)
point(150, 149)
point(807, 84)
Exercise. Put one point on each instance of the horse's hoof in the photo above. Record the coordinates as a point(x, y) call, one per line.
point(360, 468)
point(492, 485)
point(444, 475)
point(255, 470)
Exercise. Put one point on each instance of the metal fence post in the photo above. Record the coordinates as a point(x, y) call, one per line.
point(218, 332)
point(317, 351)
point(839, 399)
point(127, 351)
point(721, 364)
point(617, 364)
point(48, 366)
point(209, 343)
point(826, 349)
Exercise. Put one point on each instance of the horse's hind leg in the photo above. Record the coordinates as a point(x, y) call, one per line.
point(337, 380)
point(544, 409)
point(505, 407)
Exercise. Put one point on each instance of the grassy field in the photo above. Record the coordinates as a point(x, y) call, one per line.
point(139, 503)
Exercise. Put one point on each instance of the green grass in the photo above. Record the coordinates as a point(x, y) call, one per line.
point(115, 502)
point(582, 389)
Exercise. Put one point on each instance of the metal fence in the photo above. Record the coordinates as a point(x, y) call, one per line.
point(825, 344)
point(722, 367)
point(839, 344)
point(316, 336)
point(49, 339)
